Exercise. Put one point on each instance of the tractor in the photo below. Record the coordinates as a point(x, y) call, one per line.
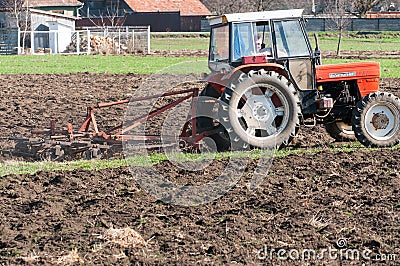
point(270, 81)
point(265, 82)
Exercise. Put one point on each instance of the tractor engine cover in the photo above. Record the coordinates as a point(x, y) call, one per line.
point(365, 73)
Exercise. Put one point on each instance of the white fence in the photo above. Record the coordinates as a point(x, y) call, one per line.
point(116, 40)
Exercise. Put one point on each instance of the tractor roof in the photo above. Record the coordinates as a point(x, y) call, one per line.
point(255, 16)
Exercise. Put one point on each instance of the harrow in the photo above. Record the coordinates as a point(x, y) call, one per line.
point(91, 143)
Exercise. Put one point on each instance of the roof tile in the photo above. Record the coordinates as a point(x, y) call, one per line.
point(43, 3)
point(186, 7)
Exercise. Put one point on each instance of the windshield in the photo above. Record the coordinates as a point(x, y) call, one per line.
point(251, 38)
point(290, 40)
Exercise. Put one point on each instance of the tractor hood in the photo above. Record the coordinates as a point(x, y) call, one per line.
point(366, 74)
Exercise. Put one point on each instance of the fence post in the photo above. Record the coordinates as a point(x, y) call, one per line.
point(119, 41)
point(19, 41)
point(32, 43)
point(78, 43)
point(133, 40)
point(57, 43)
point(148, 39)
point(88, 41)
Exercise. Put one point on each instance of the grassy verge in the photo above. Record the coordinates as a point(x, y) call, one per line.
point(390, 68)
point(358, 42)
point(186, 43)
point(15, 167)
point(353, 41)
point(58, 64)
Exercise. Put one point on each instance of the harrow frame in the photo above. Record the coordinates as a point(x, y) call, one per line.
point(56, 145)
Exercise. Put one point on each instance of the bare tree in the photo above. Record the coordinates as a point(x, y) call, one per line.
point(339, 18)
point(358, 7)
point(15, 8)
point(227, 6)
point(19, 10)
point(361, 7)
point(109, 17)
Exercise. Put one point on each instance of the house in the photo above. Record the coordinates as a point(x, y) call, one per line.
point(52, 23)
point(185, 7)
point(69, 8)
point(161, 15)
point(65, 7)
point(101, 8)
point(49, 21)
point(190, 12)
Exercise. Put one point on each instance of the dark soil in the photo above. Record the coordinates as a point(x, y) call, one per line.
point(305, 202)
point(29, 102)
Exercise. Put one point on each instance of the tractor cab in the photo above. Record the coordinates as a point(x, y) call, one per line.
point(252, 38)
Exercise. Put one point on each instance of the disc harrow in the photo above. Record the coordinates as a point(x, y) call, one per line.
point(90, 142)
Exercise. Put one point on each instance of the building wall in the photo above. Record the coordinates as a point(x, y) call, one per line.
point(7, 20)
point(98, 8)
point(39, 21)
point(356, 24)
point(69, 11)
point(191, 23)
point(158, 21)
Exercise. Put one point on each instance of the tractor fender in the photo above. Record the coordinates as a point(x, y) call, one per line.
point(247, 68)
point(219, 81)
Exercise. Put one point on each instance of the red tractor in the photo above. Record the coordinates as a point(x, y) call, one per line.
point(270, 81)
point(267, 81)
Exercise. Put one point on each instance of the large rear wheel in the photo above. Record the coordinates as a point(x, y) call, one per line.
point(376, 120)
point(262, 111)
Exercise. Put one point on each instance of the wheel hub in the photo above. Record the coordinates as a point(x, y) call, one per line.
point(380, 121)
point(259, 112)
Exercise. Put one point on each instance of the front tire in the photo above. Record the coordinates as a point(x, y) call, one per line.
point(262, 111)
point(376, 120)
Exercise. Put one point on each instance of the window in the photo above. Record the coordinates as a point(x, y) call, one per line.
point(244, 42)
point(219, 49)
point(290, 40)
point(250, 39)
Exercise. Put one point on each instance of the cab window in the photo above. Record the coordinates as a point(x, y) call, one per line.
point(290, 40)
point(219, 46)
point(250, 38)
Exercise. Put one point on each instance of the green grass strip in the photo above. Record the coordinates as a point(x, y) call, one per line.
point(390, 68)
point(18, 167)
point(60, 64)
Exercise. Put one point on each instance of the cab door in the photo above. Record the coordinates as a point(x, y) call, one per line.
point(291, 45)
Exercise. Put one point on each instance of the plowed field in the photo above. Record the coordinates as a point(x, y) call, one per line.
point(341, 202)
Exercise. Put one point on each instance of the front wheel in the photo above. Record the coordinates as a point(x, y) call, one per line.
point(376, 120)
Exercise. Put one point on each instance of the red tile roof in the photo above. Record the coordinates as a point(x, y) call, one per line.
point(45, 3)
point(186, 7)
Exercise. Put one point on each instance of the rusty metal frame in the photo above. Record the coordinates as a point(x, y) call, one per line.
point(119, 133)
